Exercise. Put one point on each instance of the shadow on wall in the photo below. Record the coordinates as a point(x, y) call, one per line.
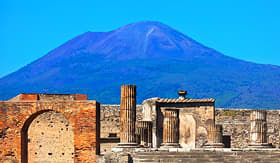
point(226, 141)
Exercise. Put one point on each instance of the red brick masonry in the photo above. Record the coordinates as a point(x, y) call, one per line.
point(15, 118)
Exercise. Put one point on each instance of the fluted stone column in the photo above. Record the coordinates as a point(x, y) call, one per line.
point(144, 130)
point(170, 128)
point(215, 136)
point(258, 137)
point(128, 116)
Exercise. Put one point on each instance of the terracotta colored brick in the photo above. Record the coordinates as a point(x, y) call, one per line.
point(28, 97)
point(18, 116)
point(80, 97)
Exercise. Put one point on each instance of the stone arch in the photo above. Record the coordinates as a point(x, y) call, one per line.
point(26, 132)
point(84, 117)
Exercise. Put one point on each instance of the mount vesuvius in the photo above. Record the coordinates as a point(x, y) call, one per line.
point(155, 57)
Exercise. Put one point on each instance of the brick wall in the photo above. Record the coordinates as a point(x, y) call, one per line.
point(48, 97)
point(16, 117)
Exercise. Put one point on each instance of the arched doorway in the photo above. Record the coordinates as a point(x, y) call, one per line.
point(47, 136)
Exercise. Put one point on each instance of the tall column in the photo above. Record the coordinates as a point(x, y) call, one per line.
point(258, 138)
point(144, 130)
point(170, 128)
point(215, 136)
point(128, 116)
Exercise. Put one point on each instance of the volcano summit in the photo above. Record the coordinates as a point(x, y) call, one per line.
point(157, 58)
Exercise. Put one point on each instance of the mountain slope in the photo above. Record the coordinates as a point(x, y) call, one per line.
point(155, 57)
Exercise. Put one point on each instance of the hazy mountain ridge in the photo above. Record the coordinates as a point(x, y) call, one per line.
point(155, 57)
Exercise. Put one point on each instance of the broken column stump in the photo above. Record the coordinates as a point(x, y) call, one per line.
point(215, 136)
point(144, 132)
point(170, 128)
point(258, 137)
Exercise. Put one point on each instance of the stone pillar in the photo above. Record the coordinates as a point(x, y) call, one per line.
point(215, 136)
point(128, 116)
point(170, 128)
point(144, 130)
point(258, 138)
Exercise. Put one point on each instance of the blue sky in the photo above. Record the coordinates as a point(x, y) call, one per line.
point(247, 30)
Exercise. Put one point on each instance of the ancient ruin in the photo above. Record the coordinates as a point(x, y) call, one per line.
point(71, 128)
point(215, 136)
point(49, 128)
point(179, 122)
point(258, 138)
point(194, 131)
point(144, 133)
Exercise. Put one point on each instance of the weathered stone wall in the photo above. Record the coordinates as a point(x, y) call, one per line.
point(110, 119)
point(110, 124)
point(235, 122)
point(193, 122)
point(50, 138)
point(106, 144)
point(16, 118)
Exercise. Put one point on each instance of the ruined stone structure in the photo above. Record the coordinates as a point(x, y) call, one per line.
point(49, 128)
point(193, 116)
point(144, 133)
point(170, 128)
point(66, 128)
point(110, 126)
point(235, 122)
point(175, 121)
point(215, 136)
point(237, 127)
point(180, 127)
point(258, 138)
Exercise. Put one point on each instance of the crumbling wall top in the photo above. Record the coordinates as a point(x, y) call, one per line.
point(47, 97)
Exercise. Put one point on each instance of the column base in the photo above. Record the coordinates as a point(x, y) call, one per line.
point(170, 145)
point(260, 145)
point(127, 145)
point(213, 145)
